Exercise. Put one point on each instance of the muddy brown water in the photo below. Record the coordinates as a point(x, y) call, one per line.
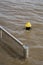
point(13, 16)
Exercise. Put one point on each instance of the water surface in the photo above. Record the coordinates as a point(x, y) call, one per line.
point(13, 16)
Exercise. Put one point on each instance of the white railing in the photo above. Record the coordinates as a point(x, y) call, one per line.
point(14, 43)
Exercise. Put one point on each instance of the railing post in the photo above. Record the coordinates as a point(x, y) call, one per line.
point(26, 51)
point(0, 32)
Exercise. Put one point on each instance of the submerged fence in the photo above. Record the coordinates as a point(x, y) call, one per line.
point(14, 43)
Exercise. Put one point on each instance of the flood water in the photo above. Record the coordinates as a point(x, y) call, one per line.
point(13, 16)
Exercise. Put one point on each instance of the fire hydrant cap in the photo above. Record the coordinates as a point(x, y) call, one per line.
point(28, 24)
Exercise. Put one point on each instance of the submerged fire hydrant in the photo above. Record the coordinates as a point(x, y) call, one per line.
point(28, 26)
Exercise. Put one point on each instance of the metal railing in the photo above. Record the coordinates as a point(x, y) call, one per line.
point(14, 43)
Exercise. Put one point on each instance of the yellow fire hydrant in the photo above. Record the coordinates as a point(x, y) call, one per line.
point(28, 26)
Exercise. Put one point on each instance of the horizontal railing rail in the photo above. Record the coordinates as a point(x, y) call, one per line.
point(14, 43)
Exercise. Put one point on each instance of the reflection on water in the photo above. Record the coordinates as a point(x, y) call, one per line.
point(13, 16)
